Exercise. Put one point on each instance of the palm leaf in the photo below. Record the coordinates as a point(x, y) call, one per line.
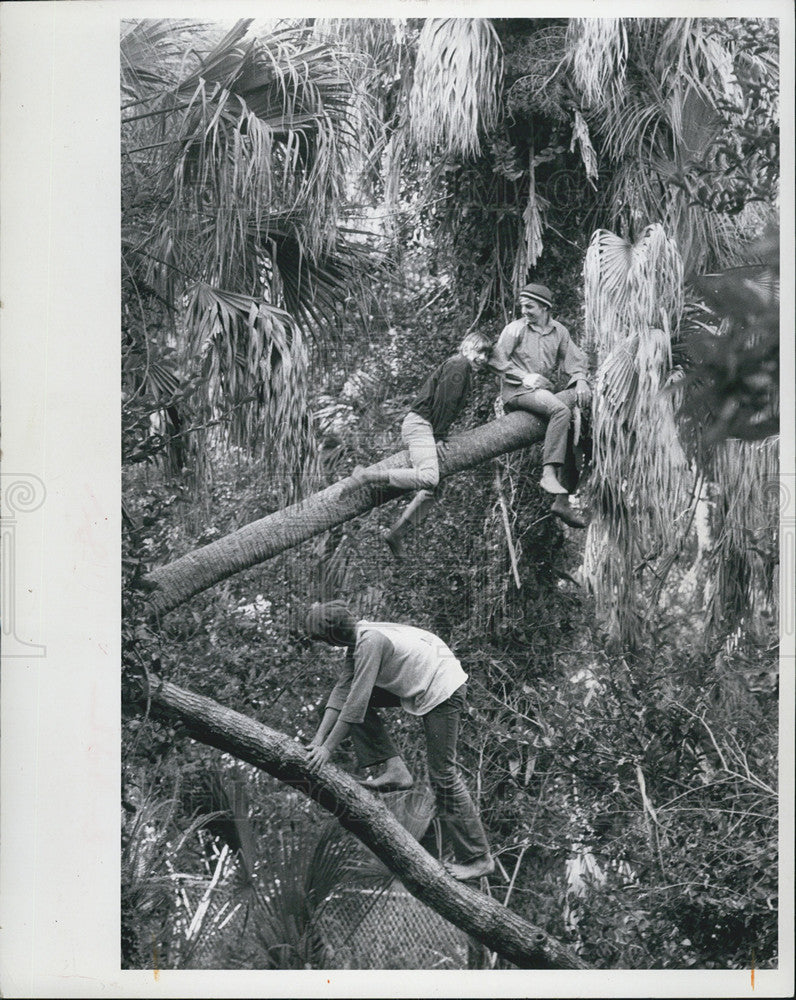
point(630, 286)
point(580, 134)
point(639, 468)
point(744, 525)
point(598, 54)
point(534, 220)
point(237, 165)
point(655, 124)
point(148, 52)
point(254, 363)
point(457, 85)
point(299, 876)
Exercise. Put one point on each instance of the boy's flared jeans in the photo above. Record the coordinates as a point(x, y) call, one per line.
point(455, 808)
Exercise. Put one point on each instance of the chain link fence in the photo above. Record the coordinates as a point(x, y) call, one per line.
point(389, 929)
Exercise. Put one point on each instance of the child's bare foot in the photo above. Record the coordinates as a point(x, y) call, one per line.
point(396, 777)
point(549, 481)
point(473, 869)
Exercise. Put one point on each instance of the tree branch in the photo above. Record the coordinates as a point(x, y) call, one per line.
point(361, 812)
point(261, 540)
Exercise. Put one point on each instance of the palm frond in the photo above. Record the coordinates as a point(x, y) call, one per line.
point(262, 123)
point(152, 850)
point(380, 37)
point(580, 135)
point(392, 164)
point(457, 85)
point(534, 219)
point(745, 527)
point(228, 799)
point(634, 295)
point(629, 129)
point(148, 55)
point(254, 364)
point(316, 289)
point(237, 167)
point(657, 124)
point(630, 286)
point(299, 876)
point(690, 58)
point(598, 53)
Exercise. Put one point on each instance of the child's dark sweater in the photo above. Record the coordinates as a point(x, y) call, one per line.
point(444, 393)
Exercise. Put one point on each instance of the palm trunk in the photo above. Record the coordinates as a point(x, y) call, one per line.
point(367, 818)
point(178, 581)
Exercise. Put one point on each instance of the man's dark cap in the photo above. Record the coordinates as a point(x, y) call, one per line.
point(539, 292)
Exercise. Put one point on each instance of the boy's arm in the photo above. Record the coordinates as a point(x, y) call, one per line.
point(337, 721)
point(331, 733)
point(573, 362)
point(500, 360)
point(327, 724)
point(452, 390)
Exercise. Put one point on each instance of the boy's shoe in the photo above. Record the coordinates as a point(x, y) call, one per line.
point(394, 545)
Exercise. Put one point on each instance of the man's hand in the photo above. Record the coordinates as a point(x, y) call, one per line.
point(531, 381)
point(583, 392)
point(317, 757)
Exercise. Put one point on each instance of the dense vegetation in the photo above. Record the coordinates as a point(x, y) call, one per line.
point(312, 217)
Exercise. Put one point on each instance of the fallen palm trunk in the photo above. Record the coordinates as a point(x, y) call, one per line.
point(361, 812)
point(259, 541)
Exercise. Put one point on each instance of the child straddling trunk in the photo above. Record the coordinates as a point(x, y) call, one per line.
point(438, 403)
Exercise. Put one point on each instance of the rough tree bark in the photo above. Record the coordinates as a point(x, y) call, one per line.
point(261, 540)
point(361, 812)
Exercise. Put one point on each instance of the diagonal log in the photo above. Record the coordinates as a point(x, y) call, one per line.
point(361, 812)
point(175, 583)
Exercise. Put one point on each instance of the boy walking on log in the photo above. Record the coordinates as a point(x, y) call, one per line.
point(438, 403)
point(387, 664)
point(526, 356)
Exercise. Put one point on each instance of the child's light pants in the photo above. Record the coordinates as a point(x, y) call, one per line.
point(418, 436)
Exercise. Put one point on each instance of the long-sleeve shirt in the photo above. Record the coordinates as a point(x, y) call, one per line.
point(521, 350)
point(443, 394)
point(411, 663)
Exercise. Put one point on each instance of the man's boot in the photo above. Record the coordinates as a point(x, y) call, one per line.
point(393, 540)
point(562, 509)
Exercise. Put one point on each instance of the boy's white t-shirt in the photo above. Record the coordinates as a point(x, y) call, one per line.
point(409, 662)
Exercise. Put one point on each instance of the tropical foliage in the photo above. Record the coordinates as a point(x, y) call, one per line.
point(281, 183)
point(234, 170)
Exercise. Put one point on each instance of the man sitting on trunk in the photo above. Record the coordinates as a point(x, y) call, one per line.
point(387, 664)
point(527, 355)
